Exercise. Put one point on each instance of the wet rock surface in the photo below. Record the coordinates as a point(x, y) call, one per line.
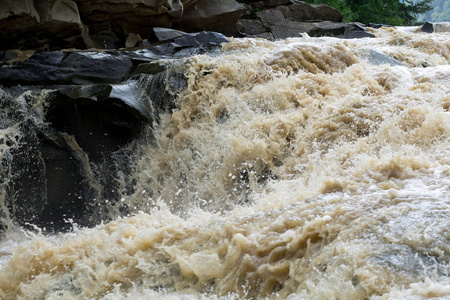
point(375, 57)
point(78, 113)
point(285, 19)
point(94, 67)
point(104, 24)
point(435, 27)
point(87, 76)
point(40, 24)
point(215, 15)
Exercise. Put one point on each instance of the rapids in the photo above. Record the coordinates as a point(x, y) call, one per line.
point(297, 169)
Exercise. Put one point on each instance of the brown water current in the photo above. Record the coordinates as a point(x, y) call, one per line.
point(295, 169)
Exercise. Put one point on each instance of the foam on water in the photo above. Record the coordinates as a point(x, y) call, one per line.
point(293, 169)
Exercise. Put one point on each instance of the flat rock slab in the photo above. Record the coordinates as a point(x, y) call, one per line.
point(250, 27)
point(270, 17)
point(50, 68)
point(302, 11)
point(96, 67)
point(375, 57)
point(212, 15)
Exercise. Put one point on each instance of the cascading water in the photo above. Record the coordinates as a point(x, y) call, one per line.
point(312, 168)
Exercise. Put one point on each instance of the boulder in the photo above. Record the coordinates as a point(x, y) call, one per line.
point(62, 68)
point(106, 24)
point(285, 21)
point(40, 24)
point(265, 35)
point(272, 3)
point(356, 34)
point(427, 27)
point(100, 118)
point(356, 31)
point(201, 40)
point(302, 11)
point(132, 40)
point(107, 19)
point(289, 28)
point(164, 34)
point(96, 67)
point(78, 113)
point(211, 15)
point(183, 46)
point(46, 180)
point(435, 27)
point(83, 129)
point(375, 57)
point(270, 17)
point(250, 28)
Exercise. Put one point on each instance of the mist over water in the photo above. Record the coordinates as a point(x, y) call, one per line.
point(311, 168)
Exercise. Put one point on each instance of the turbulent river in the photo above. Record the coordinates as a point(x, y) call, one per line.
point(307, 168)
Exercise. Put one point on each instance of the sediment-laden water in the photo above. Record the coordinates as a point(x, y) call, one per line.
point(311, 168)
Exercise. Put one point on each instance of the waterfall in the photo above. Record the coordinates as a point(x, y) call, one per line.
point(304, 168)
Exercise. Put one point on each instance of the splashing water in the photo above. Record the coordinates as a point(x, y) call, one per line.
point(296, 169)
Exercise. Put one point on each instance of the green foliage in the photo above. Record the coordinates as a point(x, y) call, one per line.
point(392, 12)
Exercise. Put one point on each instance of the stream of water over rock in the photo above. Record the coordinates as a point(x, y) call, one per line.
point(307, 168)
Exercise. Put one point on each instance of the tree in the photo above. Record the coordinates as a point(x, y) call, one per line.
point(411, 10)
point(392, 12)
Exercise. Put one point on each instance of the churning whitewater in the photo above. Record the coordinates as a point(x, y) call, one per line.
point(309, 168)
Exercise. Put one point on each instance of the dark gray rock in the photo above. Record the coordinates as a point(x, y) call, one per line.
point(100, 123)
point(186, 45)
point(355, 31)
point(49, 68)
point(255, 5)
point(249, 27)
point(377, 26)
point(6, 56)
point(378, 58)
point(328, 28)
point(271, 3)
point(45, 177)
point(203, 40)
point(290, 28)
point(164, 34)
point(105, 24)
point(211, 15)
point(83, 130)
point(427, 27)
point(79, 112)
point(117, 19)
point(435, 27)
point(270, 17)
point(265, 35)
point(356, 34)
point(284, 21)
point(96, 67)
point(302, 11)
point(40, 24)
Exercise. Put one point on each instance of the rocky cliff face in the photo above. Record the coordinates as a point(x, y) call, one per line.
point(74, 115)
point(112, 24)
point(76, 111)
point(57, 24)
point(280, 19)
